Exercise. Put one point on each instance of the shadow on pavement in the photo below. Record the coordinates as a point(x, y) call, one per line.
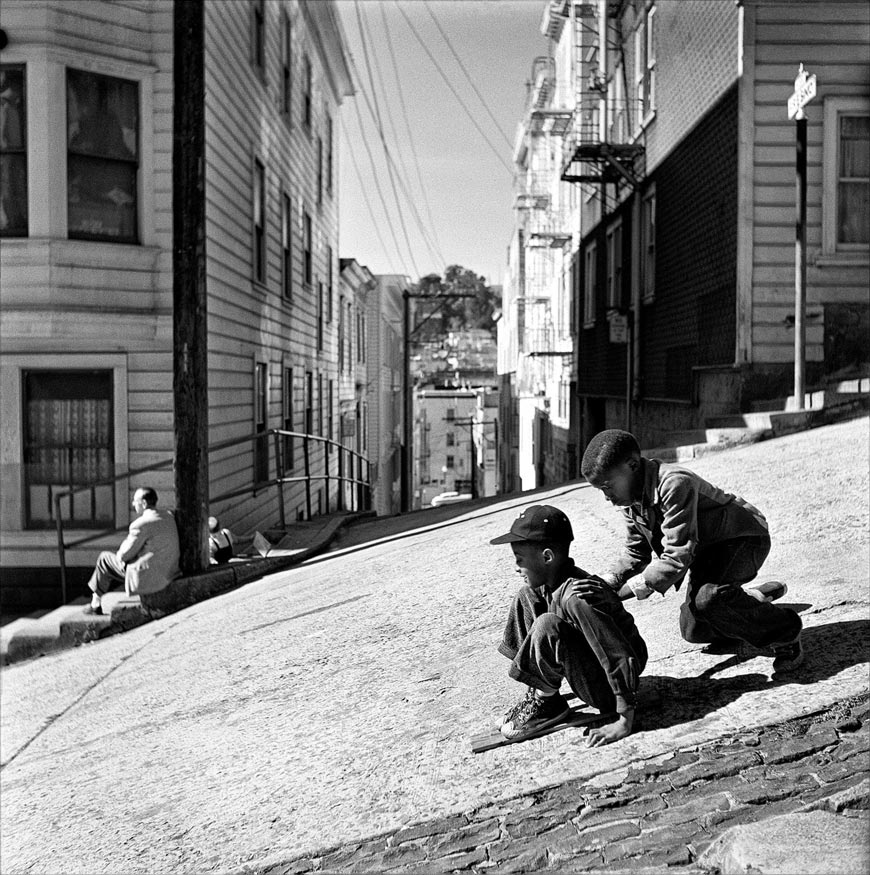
point(668, 701)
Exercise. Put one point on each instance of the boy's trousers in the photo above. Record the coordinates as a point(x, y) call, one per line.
point(716, 605)
point(598, 652)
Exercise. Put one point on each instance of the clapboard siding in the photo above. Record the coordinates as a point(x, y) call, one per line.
point(831, 40)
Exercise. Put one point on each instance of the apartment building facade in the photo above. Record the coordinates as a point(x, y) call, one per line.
point(682, 147)
point(86, 236)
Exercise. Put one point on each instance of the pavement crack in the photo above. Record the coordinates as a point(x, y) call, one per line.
point(355, 598)
point(53, 718)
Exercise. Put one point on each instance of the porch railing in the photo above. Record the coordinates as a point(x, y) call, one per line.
point(338, 464)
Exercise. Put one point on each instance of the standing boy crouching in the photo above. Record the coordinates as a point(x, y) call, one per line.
point(566, 623)
point(680, 525)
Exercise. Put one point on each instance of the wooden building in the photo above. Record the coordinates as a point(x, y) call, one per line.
point(86, 258)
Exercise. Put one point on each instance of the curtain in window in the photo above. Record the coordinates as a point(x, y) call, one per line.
point(13, 153)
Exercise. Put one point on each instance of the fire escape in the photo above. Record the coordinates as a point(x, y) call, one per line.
point(601, 145)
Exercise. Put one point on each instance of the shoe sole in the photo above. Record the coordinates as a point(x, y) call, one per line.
point(515, 734)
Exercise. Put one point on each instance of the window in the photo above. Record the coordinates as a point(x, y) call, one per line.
point(68, 442)
point(13, 153)
point(309, 402)
point(614, 266)
point(102, 157)
point(451, 414)
point(590, 285)
point(846, 168)
point(329, 283)
point(645, 63)
point(648, 245)
point(321, 407)
point(287, 70)
point(258, 35)
point(329, 158)
point(330, 428)
point(319, 171)
point(287, 248)
point(261, 446)
point(320, 308)
point(449, 463)
point(341, 330)
point(308, 276)
point(451, 439)
point(307, 95)
point(259, 222)
point(289, 461)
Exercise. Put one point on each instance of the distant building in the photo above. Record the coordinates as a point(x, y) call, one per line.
point(382, 329)
point(86, 261)
point(678, 144)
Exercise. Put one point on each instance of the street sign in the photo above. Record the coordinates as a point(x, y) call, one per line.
point(618, 328)
point(804, 92)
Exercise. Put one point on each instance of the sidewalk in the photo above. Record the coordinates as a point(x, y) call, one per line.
point(67, 626)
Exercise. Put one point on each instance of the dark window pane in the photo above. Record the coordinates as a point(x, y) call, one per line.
point(101, 199)
point(102, 116)
point(13, 153)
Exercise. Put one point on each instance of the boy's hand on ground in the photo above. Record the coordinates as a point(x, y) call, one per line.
point(610, 732)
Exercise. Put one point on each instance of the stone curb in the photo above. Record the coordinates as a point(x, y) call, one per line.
point(130, 612)
point(664, 814)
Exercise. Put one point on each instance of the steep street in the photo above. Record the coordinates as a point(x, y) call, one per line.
point(335, 701)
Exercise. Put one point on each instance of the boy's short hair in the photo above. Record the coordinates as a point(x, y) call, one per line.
point(149, 495)
point(608, 448)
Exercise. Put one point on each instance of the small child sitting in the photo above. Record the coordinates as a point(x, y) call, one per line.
point(220, 542)
point(566, 623)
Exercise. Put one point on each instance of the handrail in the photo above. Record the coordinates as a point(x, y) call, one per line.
point(356, 462)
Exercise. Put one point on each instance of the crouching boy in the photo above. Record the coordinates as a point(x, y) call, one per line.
point(680, 526)
point(566, 623)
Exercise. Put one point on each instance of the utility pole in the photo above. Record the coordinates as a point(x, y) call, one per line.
point(189, 344)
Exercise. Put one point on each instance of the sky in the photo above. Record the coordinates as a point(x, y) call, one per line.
point(450, 197)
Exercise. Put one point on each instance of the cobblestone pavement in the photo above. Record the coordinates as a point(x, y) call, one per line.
point(661, 817)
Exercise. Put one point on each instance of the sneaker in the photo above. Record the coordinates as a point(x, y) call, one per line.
point(720, 646)
point(93, 609)
point(533, 714)
point(787, 657)
point(769, 591)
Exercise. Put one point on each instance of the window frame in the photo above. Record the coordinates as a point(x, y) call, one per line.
point(258, 223)
point(613, 239)
point(286, 67)
point(307, 249)
point(288, 418)
point(286, 246)
point(648, 245)
point(645, 65)
point(24, 230)
point(835, 108)
point(330, 284)
point(307, 93)
point(329, 154)
point(260, 460)
point(135, 237)
point(258, 37)
point(590, 282)
point(321, 305)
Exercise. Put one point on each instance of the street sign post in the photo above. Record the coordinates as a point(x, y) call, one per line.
point(804, 92)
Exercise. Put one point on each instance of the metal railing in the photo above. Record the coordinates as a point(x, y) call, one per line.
point(350, 469)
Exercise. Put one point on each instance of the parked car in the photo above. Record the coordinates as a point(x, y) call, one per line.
point(449, 498)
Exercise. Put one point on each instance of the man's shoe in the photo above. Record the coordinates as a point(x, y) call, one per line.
point(90, 610)
point(533, 714)
point(768, 591)
point(787, 657)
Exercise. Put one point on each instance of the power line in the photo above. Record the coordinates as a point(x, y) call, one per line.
point(377, 184)
point(467, 76)
point(432, 225)
point(365, 193)
point(408, 195)
point(455, 92)
point(363, 39)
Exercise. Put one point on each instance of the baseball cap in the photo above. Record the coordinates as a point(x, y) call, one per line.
point(540, 522)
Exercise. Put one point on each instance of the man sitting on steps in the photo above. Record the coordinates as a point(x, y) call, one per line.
point(146, 561)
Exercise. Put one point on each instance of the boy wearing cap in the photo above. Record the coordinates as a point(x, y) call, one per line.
point(566, 623)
